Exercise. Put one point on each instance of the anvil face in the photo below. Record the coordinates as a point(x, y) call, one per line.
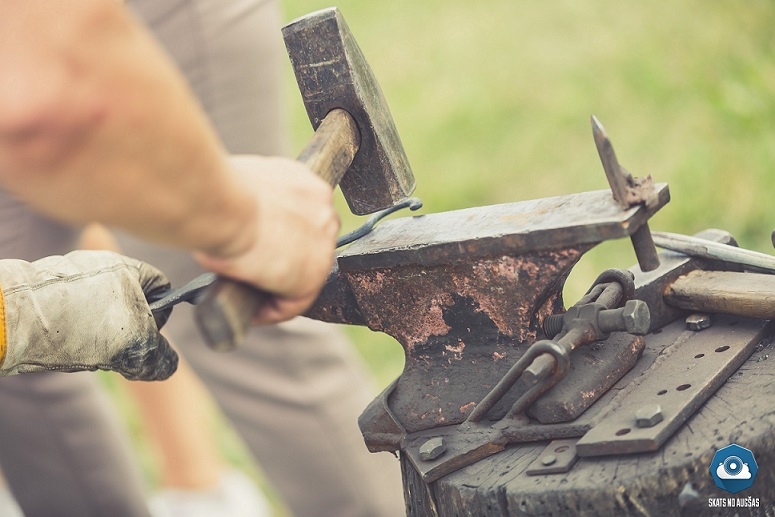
point(465, 292)
point(517, 228)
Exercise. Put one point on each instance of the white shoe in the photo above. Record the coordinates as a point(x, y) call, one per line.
point(8, 505)
point(235, 496)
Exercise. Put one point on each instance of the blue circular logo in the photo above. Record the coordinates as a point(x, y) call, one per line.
point(733, 468)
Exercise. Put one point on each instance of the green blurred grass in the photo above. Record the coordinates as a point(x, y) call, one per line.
point(492, 100)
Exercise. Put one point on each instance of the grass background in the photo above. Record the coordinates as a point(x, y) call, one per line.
point(492, 100)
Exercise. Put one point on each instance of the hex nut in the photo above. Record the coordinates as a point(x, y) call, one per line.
point(432, 449)
point(698, 321)
point(648, 416)
point(637, 318)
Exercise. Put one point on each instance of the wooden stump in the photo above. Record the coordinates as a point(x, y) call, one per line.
point(742, 411)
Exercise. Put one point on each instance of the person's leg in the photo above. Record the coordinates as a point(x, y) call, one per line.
point(62, 452)
point(176, 415)
point(293, 391)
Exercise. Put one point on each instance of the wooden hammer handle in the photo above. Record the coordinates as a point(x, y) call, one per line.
point(331, 150)
point(226, 309)
point(742, 294)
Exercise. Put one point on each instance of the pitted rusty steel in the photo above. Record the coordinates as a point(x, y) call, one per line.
point(465, 293)
point(627, 192)
point(592, 320)
point(541, 368)
point(462, 326)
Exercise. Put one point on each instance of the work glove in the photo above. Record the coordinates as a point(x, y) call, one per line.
point(86, 310)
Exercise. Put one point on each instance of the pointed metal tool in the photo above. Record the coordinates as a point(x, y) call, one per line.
point(621, 183)
point(618, 178)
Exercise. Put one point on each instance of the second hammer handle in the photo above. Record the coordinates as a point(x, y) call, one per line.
point(741, 294)
point(227, 308)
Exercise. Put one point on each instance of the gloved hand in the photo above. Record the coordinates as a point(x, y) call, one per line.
point(87, 310)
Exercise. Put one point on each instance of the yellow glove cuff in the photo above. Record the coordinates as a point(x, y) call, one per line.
point(3, 333)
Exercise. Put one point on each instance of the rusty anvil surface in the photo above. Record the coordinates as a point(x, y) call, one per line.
point(465, 292)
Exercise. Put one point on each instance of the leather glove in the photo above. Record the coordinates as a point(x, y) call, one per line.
point(87, 310)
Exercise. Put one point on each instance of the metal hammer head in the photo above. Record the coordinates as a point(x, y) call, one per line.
point(332, 73)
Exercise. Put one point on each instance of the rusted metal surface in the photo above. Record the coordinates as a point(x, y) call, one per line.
point(476, 438)
point(336, 302)
point(465, 292)
point(575, 220)
point(632, 484)
point(594, 369)
point(685, 375)
point(462, 326)
point(469, 443)
point(379, 426)
point(472, 442)
point(558, 354)
point(627, 192)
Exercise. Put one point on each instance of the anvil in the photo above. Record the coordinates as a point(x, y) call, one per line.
point(465, 293)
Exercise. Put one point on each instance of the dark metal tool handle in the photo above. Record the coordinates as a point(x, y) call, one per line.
point(227, 308)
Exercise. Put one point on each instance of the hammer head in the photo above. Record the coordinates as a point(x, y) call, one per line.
point(332, 73)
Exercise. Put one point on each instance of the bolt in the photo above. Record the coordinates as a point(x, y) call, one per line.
point(648, 416)
point(698, 321)
point(637, 318)
point(553, 325)
point(549, 459)
point(432, 449)
point(634, 318)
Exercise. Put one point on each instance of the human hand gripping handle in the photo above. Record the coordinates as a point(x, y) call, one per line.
point(227, 309)
point(87, 310)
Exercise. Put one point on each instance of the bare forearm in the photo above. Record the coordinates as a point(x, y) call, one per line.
point(100, 126)
point(97, 125)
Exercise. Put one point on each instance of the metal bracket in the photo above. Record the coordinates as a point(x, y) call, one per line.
point(679, 382)
point(470, 442)
point(679, 370)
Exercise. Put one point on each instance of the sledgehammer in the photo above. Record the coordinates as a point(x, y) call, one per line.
point(355, 145)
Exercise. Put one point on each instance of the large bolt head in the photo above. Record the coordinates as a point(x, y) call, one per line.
point(648, 415)
point(698, 321)
point(637, 318)
point(432, 449)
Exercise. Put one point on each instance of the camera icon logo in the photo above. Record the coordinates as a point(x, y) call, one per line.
point(733, 468)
